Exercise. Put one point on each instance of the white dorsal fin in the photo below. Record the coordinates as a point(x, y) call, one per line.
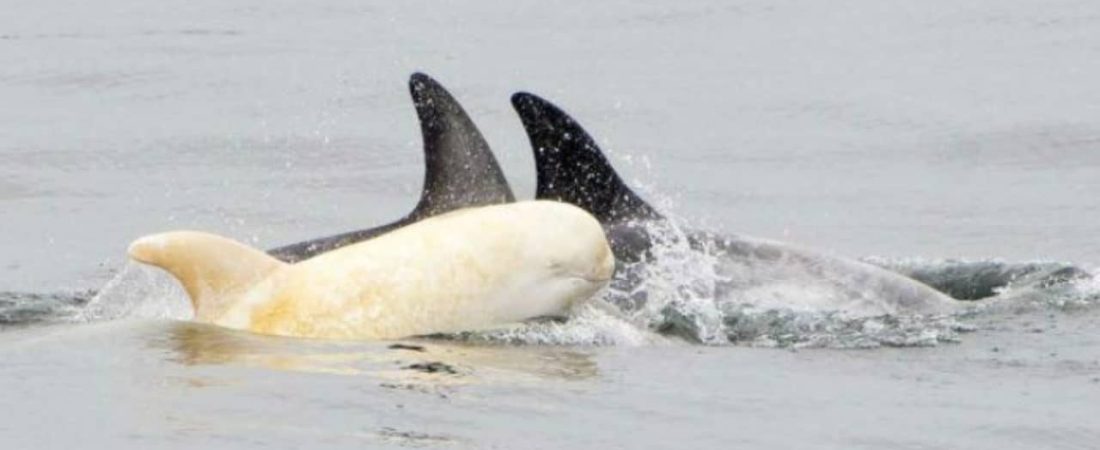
point(214, 270)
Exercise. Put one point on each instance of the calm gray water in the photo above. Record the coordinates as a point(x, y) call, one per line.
point(909, 133)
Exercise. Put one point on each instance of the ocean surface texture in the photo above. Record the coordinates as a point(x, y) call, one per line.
point(955, 142)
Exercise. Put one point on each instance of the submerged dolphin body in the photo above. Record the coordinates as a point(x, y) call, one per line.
point(467, 270)
point(572, 168)
point(460, 170)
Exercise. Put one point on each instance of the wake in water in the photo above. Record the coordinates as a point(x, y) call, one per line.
point(685, 294)
point(135, 292)
point(19, 308)
point(976, 280)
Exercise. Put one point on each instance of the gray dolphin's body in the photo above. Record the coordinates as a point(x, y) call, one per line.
point(572, 168)
point(460, 170)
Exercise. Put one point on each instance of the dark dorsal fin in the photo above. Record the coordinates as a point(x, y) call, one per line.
point(571, 167)
point(460, 170)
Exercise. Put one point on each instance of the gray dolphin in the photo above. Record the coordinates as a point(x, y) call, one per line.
point(572, 168)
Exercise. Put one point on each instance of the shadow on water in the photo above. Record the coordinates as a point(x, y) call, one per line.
point(408, 364)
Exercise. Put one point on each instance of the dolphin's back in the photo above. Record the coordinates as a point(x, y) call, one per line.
point(774, 274)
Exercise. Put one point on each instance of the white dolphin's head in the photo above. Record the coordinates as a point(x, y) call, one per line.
point(567, 256)
point(573, 243)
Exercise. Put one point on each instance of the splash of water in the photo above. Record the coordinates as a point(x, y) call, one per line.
point(588, 325)
point(138, 292)
point(682, 294)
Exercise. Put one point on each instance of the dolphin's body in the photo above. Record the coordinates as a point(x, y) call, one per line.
point(460, 170)
point(572, 168)
point(466, 270)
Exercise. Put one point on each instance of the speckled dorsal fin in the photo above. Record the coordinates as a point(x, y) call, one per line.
point(572, 168)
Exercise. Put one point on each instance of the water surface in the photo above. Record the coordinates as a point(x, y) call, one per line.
point(913, 134)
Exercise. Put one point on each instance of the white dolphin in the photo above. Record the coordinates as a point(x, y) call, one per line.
point(471, 269)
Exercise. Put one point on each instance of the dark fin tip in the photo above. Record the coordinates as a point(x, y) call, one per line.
point(572, 168)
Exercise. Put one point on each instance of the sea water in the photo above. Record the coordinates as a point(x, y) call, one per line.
point(931, 138)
